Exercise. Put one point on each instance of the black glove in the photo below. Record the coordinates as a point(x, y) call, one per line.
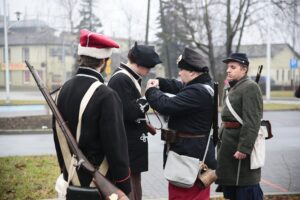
point(143, 103)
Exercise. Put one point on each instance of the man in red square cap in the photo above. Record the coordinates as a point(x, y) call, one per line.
point(94, 115)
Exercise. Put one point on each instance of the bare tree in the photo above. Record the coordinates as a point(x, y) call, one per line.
point(165, 45)
point(69, 8)
point(217, 27)
point(88, 18)
point(128, 16)
point(287, 13)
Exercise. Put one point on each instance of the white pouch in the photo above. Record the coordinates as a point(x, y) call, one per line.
point(61, 187)
point(258, 154)
point(180, 170)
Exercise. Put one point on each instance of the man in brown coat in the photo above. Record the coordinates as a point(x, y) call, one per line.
point(238, 181)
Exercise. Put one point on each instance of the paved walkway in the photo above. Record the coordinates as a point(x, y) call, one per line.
point(280, 174)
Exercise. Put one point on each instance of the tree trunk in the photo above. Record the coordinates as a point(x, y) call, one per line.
point(166, 41)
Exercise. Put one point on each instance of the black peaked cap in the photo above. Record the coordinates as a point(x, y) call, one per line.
point(145, 55)
point(192, 60)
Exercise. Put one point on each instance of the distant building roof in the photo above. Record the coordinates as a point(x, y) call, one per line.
point(31, 32)
point(257, 50)
point(31, 38)
point(24, 24)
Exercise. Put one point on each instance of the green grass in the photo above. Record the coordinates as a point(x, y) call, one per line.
point(22, 102)
point(277, 106)
point(29, 178)
point(282, 93)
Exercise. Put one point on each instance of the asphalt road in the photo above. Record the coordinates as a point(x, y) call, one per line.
point(280, 174)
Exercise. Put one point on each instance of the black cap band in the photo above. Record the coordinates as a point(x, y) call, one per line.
point(182, 64)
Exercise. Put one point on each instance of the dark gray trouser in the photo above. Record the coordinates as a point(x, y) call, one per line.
point(250, 192)
point(136, 187)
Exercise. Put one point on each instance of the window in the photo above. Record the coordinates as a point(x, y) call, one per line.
point(282, 75)
point(9, 57)
point(25, 53)
point(277, 74)
point(26, 76)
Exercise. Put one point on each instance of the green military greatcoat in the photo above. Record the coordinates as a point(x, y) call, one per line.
point(246, 99)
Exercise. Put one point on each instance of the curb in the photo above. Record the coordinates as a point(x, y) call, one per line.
point(269, 196)
point(25, 131)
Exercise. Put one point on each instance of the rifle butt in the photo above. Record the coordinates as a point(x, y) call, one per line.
point(108, 190)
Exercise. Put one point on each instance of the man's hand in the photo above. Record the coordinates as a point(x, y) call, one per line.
point(152, 83)
point(239, 155)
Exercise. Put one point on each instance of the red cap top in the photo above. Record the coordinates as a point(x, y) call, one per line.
point(95, 45)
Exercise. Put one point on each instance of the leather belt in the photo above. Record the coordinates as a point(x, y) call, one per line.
point(232, 125)
point(171, 136)
point(188, 135)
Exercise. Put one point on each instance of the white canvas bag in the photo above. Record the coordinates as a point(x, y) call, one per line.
point(257, 157)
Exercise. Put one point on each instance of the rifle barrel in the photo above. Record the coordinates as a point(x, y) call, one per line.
point(260, 67)
point(215, 116)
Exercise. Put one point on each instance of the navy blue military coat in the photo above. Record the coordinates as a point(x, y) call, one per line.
point(191, 111)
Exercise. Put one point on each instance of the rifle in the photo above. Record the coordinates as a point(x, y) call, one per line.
point(105, 187)
point(215, 115)
point(260, 67)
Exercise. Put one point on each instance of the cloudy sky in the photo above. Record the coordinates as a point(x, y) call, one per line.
point(114, 15)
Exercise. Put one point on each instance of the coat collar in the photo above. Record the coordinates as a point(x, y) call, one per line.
point(90, 72)
point(242, 80)
point(203, 78)
point(133, 73)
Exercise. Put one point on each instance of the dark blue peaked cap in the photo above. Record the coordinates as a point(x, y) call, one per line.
point(238, 57)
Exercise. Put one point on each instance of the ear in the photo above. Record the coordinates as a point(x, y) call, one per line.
point(193, 73)
point(244, 69)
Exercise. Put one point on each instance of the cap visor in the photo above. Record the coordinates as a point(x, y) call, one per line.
point(232, 60)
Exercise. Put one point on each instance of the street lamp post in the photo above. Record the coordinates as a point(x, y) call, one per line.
point(6, 54)
point(6, 27)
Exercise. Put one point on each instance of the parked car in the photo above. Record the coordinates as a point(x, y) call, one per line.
point(262, 83)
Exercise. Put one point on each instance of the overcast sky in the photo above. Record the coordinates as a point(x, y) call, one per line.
point(112, 14)
point(114, 17)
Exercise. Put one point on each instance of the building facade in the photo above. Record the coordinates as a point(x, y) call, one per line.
point(282, 74)
point(36, 42)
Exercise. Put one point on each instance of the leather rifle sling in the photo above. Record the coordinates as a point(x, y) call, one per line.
point(66, 153)
point(137, 85)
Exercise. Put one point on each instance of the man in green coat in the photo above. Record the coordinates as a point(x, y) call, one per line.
point(236, 143)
